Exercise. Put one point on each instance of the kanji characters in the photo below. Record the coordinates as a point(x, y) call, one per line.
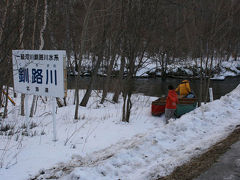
point(23, 75)
point(50, 57)
point(51, 76)
point(37, 76)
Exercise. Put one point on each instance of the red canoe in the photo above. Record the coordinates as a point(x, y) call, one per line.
point(158, 106)
point(184, 105)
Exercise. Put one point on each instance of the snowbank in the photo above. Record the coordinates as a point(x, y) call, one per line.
point(167, 146)
point(100, 146)
point(99, 127)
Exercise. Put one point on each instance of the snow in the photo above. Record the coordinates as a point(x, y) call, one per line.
point(228, 68)
point(100, 146)
point(151, 65)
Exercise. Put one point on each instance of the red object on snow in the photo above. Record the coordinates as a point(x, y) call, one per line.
point(158, 106)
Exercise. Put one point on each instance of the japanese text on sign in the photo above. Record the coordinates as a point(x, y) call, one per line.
point(39, 72)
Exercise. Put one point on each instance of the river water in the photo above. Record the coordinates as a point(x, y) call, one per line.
point(158, 87)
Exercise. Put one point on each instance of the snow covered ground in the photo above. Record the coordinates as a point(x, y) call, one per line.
point(190, 67)
point(100, 146)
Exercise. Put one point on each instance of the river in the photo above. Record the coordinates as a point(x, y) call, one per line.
point(157, 86)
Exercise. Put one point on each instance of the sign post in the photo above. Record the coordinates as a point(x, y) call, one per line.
point(54, 119)
point(211, 94)
point(42, 73)
point(27, 113)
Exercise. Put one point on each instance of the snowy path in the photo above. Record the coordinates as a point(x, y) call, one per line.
point(93, 159)
point(227, 166)
point(158, 152)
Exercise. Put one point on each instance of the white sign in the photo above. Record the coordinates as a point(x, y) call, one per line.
point(39, 72)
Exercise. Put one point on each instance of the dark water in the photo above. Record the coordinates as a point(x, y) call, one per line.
point(157, 87)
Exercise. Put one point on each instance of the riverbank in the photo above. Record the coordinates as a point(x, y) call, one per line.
point(151, 68)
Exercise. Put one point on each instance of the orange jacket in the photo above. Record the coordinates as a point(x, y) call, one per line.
point(172, 100)
point(183, 88)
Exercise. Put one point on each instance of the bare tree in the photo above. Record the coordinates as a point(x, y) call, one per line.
point(89, 9)
point(41, 43)
point(8, 37)
point(5, 113)
point(98, 44)
point(2, 27)
point(112, 47)
point(22, 47)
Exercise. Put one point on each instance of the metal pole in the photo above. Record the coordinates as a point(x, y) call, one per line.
point(211, 94)
point(27, 112)
point(54, 119)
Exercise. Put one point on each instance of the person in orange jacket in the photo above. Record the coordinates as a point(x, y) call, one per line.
point(171, 103)
point(183, 88)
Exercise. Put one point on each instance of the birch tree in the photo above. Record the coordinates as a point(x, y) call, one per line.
point(22, 47)
point(41, 42)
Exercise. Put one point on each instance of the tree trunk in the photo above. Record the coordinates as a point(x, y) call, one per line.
point(100, 52)
point(76, 64)
point(34, 25)
point(118, 87)
point(33, 105)
point(1, 100)
point(4, 19)
point(41, 45)
point(83, 36)
point(6, 105)
point(22, 104)
point(106, 84)
point(77, 103)
point(208, 79)
point(44, 25)
point(128, 88)
point(201, 83)
point(67, 33)
point(22, 47)
point(124, 107)
point(90, 85)
point(165, 61)
point(65, 101)
point(207, 83)
point(127, 103)
point(162, 56)
point(33, 47)
point(200, 92)
point(186, 30)
point(129, 107)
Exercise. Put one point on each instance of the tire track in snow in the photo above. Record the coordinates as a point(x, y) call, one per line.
point(63, 169)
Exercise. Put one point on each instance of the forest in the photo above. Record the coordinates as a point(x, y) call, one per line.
point(104, 31)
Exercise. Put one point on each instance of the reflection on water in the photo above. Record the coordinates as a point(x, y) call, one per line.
point(157, 87)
